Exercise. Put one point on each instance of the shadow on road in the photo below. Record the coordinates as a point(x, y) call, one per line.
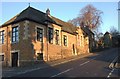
point(37, 70)
point(106, 56)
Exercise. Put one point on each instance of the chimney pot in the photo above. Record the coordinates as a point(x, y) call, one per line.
point(48, 11)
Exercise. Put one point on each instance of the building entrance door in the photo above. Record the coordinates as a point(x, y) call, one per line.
point(15, 59)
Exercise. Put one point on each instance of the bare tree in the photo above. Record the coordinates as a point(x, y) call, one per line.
point(114, 31)
point(75, 21)
point(89, 16)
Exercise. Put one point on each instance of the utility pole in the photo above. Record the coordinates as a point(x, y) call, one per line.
point(118, 16)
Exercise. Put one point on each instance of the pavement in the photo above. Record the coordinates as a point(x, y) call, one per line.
point(13, 71)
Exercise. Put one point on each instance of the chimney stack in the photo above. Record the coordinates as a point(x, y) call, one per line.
point(48, 11)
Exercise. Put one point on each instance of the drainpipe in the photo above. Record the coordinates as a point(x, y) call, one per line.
point(76, 45)
point(47, 40)
point(7, 46)
point(61, 44)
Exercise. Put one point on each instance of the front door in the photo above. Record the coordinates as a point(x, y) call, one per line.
point(15, 59)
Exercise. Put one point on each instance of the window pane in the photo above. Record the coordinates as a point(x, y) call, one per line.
point(13, 39)
point(1, 37)
point(13, 34)
point(50, 31)
point(65, 40)
point(17, 33)
point(38, 37)
point(57, 36)
point(3, 40)
point(13, 29)
point(17, 38)
point(17, 28)
point(39, 34)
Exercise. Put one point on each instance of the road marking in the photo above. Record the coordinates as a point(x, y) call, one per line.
point(112, 63)
point(26, 71)
point(23, 72)
point(66, 61)
point(62, 72)
point(110, 73)
point(84, 63)
point(70, 60)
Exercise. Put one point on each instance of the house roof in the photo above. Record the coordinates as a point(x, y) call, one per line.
point(30, 14)
point(87, 30)
point(40, 17)
point(67, 27)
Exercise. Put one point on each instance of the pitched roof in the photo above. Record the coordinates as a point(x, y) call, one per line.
point(87, 30)
point(67, 27)
point(30, 14)
point(40, 17)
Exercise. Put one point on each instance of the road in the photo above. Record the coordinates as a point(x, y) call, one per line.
point(90, 66)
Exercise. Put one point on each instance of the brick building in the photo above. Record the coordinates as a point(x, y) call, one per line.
point(33, 35)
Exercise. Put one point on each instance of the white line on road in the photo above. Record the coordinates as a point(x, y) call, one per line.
point(69, 60)
point(111, 66)
point(62, 72)
point(110, 73)
point(112, 63)
point(65, 61)
point(84, 63)
point(26, 71)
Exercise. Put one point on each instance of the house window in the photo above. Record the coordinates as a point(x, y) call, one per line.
point(2, 37)
point(39, 34)
point(15, 34)
point(65, 40)
point(57, 37)
point(50, 33)
point(1, 57)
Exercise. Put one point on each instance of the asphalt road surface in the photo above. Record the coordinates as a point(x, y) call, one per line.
point(96, 65)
